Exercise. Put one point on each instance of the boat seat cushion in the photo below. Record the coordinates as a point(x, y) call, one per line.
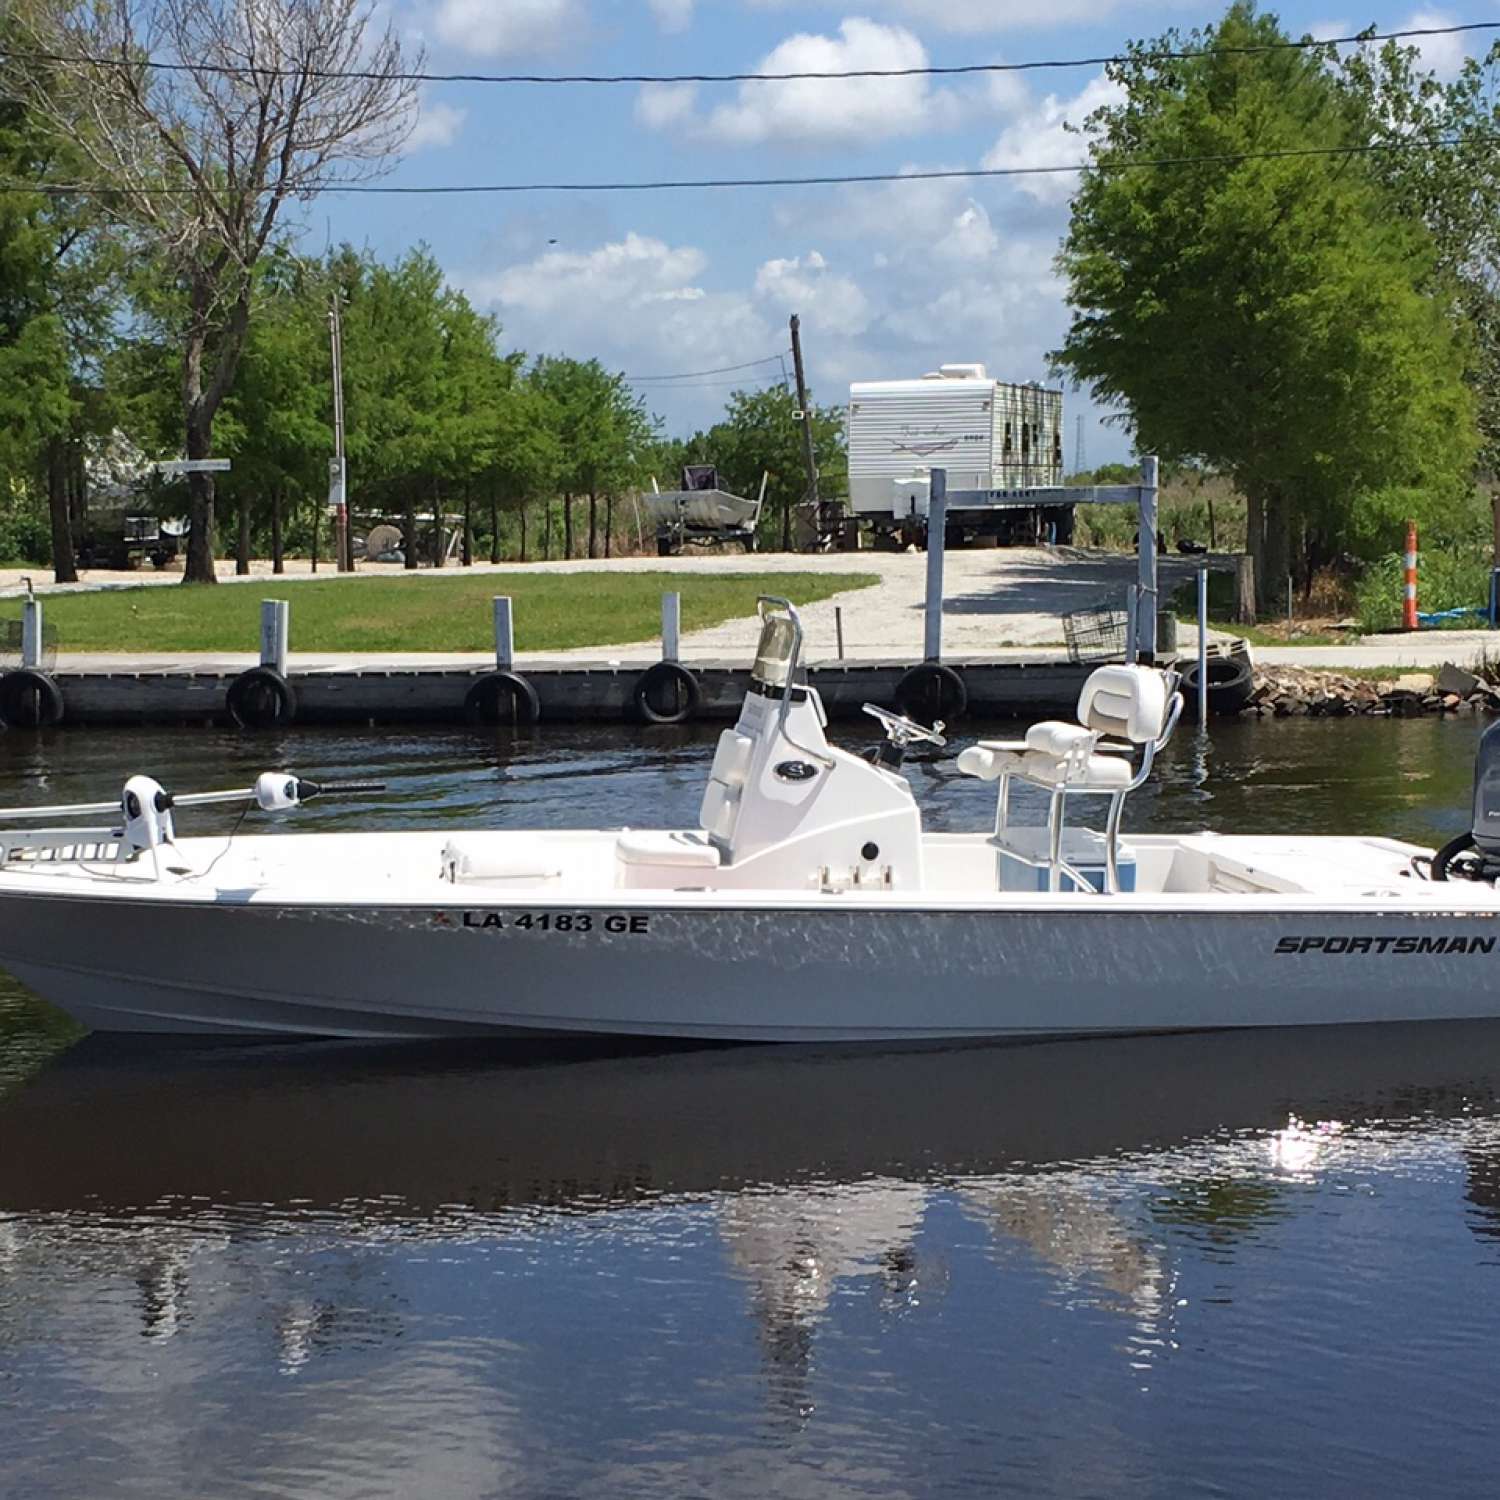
point(674, 849)
point(988, 759)
point(1126, 700)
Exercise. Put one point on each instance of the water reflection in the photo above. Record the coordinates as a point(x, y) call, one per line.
point(1247, 1264)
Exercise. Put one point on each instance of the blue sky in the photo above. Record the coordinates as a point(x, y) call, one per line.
point(890, 280)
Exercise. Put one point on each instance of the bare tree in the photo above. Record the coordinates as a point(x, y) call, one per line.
point(198, 121)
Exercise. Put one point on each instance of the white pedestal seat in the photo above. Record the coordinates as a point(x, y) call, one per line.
point(1136, 705)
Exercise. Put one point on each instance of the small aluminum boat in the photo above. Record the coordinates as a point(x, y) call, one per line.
point(808, 904)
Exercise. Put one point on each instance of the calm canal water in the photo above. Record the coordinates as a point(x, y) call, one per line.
point(1218, 1265)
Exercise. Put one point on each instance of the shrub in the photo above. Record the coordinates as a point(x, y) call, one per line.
point(1446, 579)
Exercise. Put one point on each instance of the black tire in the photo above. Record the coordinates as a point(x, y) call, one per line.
point(29, 700)
point(1231, 684)
point(502, 698)
point(667, 694)
point(931, 692)
point(261, 699)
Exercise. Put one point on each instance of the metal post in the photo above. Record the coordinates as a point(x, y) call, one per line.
point(31, 632)
point(1203, 646)
point(505, 635)
point(1494, 598)
point(1409, 619)
point(274, 626)
point(809, 456)
point(937, 526)
point(671, 625)
point(838, 625)
point(338, 496)
point(1288, 606)
point(1145, 615)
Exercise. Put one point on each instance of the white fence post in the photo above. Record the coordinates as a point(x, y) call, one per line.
point(274, 627)
point(505, 634)
point(671, 626)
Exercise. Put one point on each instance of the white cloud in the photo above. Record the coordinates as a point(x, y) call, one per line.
point(813, 110)
point(1042, 138)
point(666, 106)
point(672, 15)
point(975, 17)
point(829, 302)
point(1443, 55)
point(632, 272)
point(438, 124)
point(495, 28)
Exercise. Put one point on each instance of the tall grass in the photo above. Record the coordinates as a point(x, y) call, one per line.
point(1448, 579)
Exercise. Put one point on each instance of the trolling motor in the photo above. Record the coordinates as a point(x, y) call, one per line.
point(145, 809)
point(1475, 853)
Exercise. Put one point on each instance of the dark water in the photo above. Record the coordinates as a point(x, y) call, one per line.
point(1223, 1265)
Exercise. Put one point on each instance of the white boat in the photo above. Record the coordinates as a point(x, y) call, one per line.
point(809, 904)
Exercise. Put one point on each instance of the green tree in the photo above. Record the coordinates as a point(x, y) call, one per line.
point(1264, 315)
point(196, 163)
point(1443, 169)
point(57, 294)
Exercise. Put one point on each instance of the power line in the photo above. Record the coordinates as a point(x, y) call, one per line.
point(694, 374)
point(1368, 148)
point(935, 71)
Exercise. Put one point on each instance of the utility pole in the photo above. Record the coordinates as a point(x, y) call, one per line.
point(338, 495)
point(1079, 455)
point(804, 415)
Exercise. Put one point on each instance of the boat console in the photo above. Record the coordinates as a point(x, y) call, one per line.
point(784, 809)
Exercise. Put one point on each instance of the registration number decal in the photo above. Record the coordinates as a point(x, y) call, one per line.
point(616, 923)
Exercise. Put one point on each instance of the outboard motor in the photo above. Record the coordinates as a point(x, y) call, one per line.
point(1453, 860)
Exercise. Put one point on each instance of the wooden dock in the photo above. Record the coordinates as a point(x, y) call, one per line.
point(569, 692)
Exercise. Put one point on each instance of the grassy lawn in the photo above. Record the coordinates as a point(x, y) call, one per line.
point(553, 611)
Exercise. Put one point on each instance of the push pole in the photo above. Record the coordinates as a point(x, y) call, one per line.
point(937, 526)
point(1145, 613)
point(1202, 647)
point(1409, 586)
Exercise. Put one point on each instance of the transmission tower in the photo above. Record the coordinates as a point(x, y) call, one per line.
point(1079, 452)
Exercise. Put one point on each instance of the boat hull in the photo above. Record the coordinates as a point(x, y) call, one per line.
point(815, 973)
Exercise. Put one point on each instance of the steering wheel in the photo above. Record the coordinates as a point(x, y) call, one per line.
point(901, 731)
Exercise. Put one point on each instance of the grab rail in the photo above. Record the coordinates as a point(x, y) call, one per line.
point(793, 661)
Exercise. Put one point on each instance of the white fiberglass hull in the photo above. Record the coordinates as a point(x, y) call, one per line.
point(685, 965)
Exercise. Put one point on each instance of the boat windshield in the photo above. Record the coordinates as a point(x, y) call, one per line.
point(778, 637)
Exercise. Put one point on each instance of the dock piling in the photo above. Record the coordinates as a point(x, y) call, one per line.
point(671, 626)
point(31, 632)
point(937, 526)
point(274, 630)
point(505, 634)
point(1203, 647)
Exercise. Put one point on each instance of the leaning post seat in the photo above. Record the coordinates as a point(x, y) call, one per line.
point(1121, 708)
